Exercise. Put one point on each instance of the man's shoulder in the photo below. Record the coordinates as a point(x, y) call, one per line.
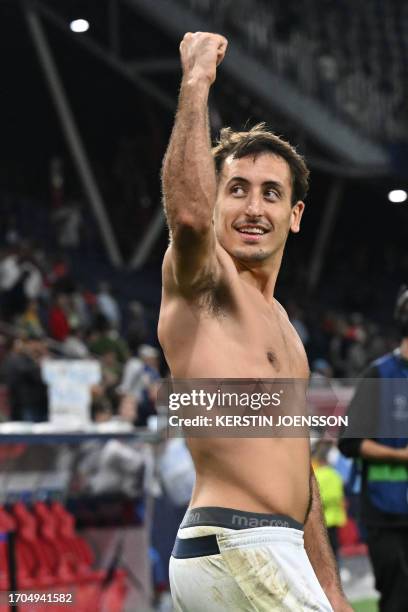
point(281, 308)
point(383, 363)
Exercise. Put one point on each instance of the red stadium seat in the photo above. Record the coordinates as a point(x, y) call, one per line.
point(7, 524)
point(34, 560)
point(66, 529)
point(349, 540)
point(51, 557)
point(56, 527)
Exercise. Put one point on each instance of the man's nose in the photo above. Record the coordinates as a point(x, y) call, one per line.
point(254, 206)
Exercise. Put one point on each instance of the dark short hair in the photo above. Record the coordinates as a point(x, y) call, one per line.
point(259, 140)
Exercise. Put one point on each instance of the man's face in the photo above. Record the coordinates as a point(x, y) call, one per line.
point(254, 213)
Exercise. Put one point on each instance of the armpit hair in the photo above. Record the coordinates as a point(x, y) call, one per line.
point(215, 299)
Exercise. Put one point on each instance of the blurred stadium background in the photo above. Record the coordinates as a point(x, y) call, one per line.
point(86, 116)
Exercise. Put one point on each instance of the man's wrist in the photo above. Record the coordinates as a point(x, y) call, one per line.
point(198, 79)
point(337, 598)
point(194, 93)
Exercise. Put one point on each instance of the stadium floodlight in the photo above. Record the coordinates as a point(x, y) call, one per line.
point(79, 25)
point(396, 196)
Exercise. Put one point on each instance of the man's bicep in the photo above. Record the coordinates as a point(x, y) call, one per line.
point(190, 263)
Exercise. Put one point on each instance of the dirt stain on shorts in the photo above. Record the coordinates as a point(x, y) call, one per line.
point(263, 582)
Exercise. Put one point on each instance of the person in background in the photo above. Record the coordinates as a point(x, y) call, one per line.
point(132, 385)
point(33, 278)
point(11, 364)
point(74, 346)
point(21, 372)
point(150, 357)
point(101, 410)
point(104, 338)
point(83, 303)
point(377, 434)
point(58, 323)
point(322, 373)
point(107, 305)
point(128, 409)
point(339, 346)
point(111, 371)
point(12, 236)
point(138, 387)
point(29, 322)
point(9, 269)
point(357, 354)
point(58, 277)
point(12, 279)
point(68, 220)
point(137, 327)
point(331, 492)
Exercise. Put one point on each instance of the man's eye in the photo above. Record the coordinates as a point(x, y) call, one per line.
point(237, 190)
point(271, 195)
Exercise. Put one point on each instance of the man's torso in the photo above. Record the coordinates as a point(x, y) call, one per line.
point(230, 331)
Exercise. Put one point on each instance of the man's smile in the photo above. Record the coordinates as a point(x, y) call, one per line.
point(251, 232)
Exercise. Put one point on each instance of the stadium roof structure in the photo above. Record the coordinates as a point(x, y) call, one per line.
point(138, 41)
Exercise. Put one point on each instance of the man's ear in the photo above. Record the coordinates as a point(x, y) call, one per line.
point(296, 216)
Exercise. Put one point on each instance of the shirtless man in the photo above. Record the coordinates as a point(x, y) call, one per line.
point(230, 211)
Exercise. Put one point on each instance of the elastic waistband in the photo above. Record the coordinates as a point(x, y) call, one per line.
point(203, 546)
point(236, 519)
point(215, 544)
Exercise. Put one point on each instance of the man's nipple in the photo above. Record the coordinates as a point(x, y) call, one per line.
point(273, 360)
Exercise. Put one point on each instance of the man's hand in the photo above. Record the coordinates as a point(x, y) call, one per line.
point(201, 53)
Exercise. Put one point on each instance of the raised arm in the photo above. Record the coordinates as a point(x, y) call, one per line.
point(188, 177)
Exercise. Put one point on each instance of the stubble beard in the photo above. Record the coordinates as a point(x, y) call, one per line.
point(255, 257)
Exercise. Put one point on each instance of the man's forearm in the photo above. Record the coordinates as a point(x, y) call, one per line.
point(372, 450)
point(319, 551)
point(189, 182)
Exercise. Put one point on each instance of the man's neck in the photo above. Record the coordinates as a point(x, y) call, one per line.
point(261, 275)
point(404, 348)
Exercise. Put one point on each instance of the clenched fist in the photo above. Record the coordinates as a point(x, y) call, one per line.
point(201, 53)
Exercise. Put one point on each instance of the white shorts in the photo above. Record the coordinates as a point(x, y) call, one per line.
point(261, 569)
